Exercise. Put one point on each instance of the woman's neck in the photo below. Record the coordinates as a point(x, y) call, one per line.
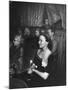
point(45, 48)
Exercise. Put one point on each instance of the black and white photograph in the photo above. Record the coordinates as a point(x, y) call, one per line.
point(37, 44)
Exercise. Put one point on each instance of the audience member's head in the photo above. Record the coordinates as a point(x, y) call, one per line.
point(19, 31)
point(27, 31)
point(50, 32)
point(46, 22)
point(17, 40)
point(37, 32)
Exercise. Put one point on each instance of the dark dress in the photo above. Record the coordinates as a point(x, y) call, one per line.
point(36, 80)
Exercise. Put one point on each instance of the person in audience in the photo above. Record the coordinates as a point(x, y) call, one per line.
point(36, 38)
point(16, 55)
point(26, 31)
point(42, 66)
point(52, 35)
point(37, 32)
point(46, 23)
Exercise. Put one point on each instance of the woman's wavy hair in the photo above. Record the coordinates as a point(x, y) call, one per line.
point(48, 40)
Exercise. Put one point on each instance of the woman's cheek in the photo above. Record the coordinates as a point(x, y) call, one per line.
point(41, 46)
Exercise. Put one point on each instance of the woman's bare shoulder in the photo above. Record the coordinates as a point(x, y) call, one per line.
point(48, 52)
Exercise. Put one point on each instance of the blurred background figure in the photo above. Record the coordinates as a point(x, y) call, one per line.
point(16, 55)
point(42, 31)
point(26, 31)
point(37, 32)
point(17, 40)
point(46, 23)
point(36, 38)
point(51, 34)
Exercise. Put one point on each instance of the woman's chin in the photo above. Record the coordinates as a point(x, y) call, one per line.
point(41, 47)
point(46, 75)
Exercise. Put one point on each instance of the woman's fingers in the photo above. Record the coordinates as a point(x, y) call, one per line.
point(30, 71)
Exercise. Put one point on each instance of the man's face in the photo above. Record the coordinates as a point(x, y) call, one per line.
point(37, 33)
point(27, 31)
point(50, 32)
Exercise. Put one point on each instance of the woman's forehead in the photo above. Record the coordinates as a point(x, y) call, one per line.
point(42, 37)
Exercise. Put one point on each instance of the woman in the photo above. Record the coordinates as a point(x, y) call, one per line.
point(43, 53)
point(41, 66)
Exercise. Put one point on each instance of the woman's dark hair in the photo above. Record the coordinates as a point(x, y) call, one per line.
point(48, 40)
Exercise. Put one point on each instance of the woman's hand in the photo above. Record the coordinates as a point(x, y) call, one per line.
point(43, 75)
point(34, 70)
point(30, 70)
point(44, 64)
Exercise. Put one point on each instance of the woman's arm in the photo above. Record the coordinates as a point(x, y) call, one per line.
point(43, 75)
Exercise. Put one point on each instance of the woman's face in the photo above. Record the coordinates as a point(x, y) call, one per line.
point(42, 42)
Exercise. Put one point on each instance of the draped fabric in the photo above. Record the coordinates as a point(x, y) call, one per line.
point(33, 14)
point(55, 13)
